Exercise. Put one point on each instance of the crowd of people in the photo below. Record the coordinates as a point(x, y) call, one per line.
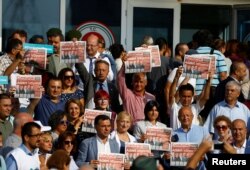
point(46, 133)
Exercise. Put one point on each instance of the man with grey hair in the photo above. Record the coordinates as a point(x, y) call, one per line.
point(135, 99)
point(229, 107)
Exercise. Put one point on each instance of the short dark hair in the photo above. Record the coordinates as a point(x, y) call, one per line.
point(27, 129)
point(5, 96)
point(116, 50)
point(73, 34)
point(186, 87)
point(101, 117)
point(54, 32)
point(149, 106)
point(62, 137)
point(55, 118)
point(21, 32)
point(100, 61)
point(34, 38)
point(161, 42)
point(204, 38)
point(12, 43)
point(61, 75)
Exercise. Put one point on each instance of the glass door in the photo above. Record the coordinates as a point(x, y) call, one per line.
point(242, 23)
point(157, 19)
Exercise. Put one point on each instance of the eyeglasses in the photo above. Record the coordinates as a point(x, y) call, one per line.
point(64, 122)
point(36, 135)
point(223, 127)
point(68, 77)
point(67, 142)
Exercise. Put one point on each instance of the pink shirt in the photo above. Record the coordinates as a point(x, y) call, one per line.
point(132, 103)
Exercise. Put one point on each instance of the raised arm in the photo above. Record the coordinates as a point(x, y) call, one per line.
point(172, 92)
point(87, 79)
point(206, 93)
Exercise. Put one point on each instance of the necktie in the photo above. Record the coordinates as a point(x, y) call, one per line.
point(91, 65)
point(100, 86)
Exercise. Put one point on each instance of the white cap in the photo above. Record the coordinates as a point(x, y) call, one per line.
point(43, 128)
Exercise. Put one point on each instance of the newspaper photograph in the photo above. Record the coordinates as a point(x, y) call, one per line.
point(156, 57)
point(159, 138)
point(72, 51)
point(111, 161)
point(28, 86)
point(181, 152)
point(89, 118)
point(133, 150)
point(138, 61)
point(197, 66)
point(36, 57)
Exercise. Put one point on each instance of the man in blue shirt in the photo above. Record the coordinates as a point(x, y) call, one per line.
point(50, 102)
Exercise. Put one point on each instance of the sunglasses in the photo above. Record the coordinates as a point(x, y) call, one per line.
point(67, 142)
point(223, 127)
point(64, 122)
point(68, 77)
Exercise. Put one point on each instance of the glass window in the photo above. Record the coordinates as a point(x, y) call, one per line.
point(155, 22)
point(107, 12)
point(243, 25)
point(30, 16)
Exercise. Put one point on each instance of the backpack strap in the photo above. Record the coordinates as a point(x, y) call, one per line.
point(212, 51)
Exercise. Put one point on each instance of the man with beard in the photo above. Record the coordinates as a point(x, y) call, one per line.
point(26, 155)
point(90, 147)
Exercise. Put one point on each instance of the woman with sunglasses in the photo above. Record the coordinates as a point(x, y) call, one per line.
point(69, 87)
point(222, 126)
point(67, 141)
point(59, 124)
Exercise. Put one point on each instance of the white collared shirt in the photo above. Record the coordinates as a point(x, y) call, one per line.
point(103, 147)
point(241, 150)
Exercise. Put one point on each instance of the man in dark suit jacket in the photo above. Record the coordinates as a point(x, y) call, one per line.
point(238, 72)
point(90, 147)
point(99, 82)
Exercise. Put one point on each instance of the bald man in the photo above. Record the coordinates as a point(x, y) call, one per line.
point(239, 132)
point(238, 72)
point(14, 140)
point(189, 132)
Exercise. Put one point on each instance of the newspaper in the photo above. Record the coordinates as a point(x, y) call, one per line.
point(199, 66)
point(133, 150)
point(28, 86)
point(138, 61)
point(72, 51)
point(36, 56)
point(181, 152)
point(156, 57)
point(111, 161)
point(89, 118)
point(159, 138)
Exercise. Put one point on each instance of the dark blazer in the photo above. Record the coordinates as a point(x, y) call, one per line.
point(88, 150)
point(220, 91)
point(90, 84)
